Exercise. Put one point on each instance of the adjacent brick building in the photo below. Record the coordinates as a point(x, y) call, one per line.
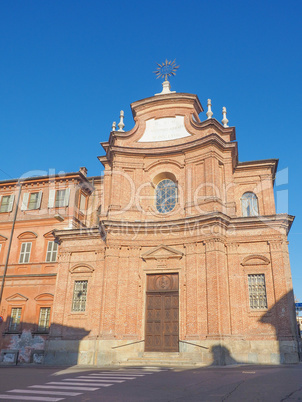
point(175, 254)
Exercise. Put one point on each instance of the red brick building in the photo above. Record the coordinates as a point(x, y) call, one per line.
point(176, 253)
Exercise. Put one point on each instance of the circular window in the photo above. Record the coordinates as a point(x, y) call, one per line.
point(166, 196)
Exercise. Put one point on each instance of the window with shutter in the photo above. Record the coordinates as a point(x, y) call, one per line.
point(25, 252)
point(52, 251)
point(33, 201)
point(5, 203)
point(83, 203)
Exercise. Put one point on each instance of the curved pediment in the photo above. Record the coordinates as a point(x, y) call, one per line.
point(165, 162)
point(45, 297)
point(81, 268)
point(27, 236)
point(255, 260)
point(162, 252)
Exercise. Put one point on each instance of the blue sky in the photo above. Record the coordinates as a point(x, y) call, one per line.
point(68, 67)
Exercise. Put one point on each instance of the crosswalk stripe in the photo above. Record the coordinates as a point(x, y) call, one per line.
point(96, 380)
point(65, 386)
point(119, 375)
point(30, 398)
point(80, 384)
point(31, 391)
point(124, 372)
point(108, 377)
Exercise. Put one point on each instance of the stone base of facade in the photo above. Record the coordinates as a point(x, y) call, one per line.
point(207, 353)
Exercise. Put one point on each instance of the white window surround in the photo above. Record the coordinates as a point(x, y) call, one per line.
point(249, 204)
point(6, 203)
point(25, 252)
point(31, 200)
point(58, 198)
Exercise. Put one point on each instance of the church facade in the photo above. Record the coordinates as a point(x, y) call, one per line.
point(178, 256)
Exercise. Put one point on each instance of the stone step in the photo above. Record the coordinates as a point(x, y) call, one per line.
point(161, 359)
point(162, 363)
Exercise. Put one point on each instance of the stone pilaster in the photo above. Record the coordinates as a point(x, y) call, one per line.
point(283, 307)
point(192, 291)
point(110, 291)
point(236, 286)
point(60, 303)
point(218, 290)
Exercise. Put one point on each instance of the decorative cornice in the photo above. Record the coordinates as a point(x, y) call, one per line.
point(81, 268)
point(164, 161)
point(162, 253)
point(255, 259)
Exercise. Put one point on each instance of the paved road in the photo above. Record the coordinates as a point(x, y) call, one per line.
point(232, 384)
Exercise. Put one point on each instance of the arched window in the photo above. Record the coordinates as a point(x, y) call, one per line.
point(166, 196)
point(249, 204)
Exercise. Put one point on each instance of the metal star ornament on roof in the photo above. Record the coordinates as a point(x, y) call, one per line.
point(166, 69)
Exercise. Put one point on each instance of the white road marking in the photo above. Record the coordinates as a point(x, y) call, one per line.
point(79, 384)
point(92, 380)
point(30, 398)
point(65, 386)
point(31, 391)
point(123, 373)
point(108, 377)
point(120, 375)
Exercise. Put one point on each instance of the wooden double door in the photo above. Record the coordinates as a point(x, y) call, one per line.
point(162, 313)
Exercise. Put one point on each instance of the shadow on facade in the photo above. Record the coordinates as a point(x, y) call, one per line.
point(28, 346)
point(284, 332)
point(282, 317)
point(222, 356)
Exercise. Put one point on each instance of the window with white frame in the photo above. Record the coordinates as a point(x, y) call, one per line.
point(165, 196)
point(257, 291)
point(52, 251)
point(15, 319)
point(249, 204)
point(25, 252)
point(83, 199)
point(79, 296)
point(58, 198)
point(44, 319)
point(6, 203)
point(31, 201)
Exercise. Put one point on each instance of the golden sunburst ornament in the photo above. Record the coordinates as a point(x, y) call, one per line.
point(166, 69)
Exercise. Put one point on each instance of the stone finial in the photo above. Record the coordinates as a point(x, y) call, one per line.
point(209, 112)
point(224, 120)
point(121, 124)
point(113, 126)
point(83, 170)
point(166, 88)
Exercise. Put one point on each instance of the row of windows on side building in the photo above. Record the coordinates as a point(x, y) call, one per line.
point(165, 200)
point(25, 251)
point(32, 201)
point(257, 301)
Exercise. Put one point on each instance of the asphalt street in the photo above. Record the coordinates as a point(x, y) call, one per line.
point(231, 383)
